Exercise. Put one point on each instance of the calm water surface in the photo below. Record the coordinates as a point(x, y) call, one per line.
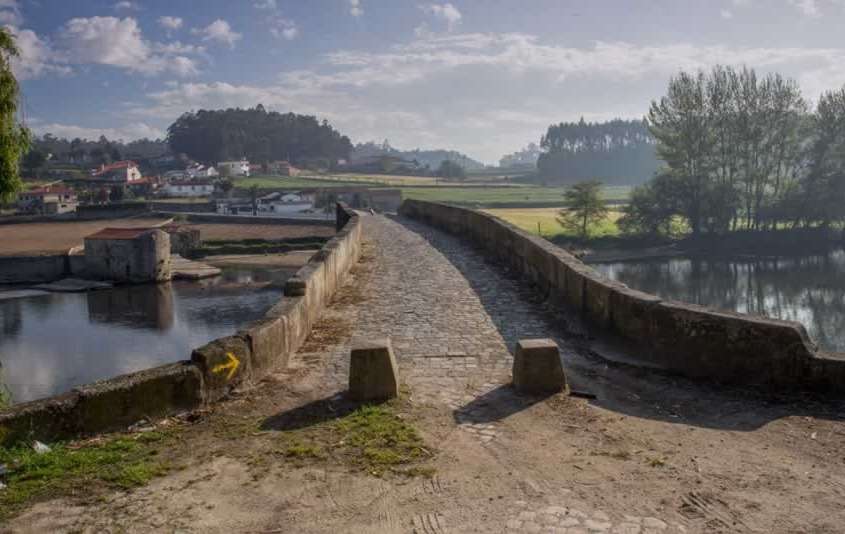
point(51, 343)
point(806, 289)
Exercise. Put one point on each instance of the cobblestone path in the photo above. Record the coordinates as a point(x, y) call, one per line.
point(454, 319)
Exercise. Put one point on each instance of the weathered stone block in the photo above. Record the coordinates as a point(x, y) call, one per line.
point(134, 255)
point(537, 367)
point(373, 373)
point(124, 400)
point(224, 363)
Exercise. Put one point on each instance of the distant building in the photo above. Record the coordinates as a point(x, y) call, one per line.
point(188, 188)
point(174, 175)
point(285, 203)
point(201, 171)
point(282, 168)
point(233, 168)
point(119, 172)
point(256, 168)
point(48, 200)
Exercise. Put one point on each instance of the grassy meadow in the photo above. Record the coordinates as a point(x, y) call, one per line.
point(528, 219)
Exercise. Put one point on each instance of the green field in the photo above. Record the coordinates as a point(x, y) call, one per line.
point(502, 196)
point(423, 188)
point(529, 218)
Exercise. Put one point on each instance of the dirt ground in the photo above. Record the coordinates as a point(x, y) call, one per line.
point(58, 236)
point(261, 231)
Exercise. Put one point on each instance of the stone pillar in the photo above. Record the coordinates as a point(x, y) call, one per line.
point(373, 374)
point(537, 367)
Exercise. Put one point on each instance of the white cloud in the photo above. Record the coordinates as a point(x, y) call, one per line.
point(265, 4)
point(283, 28)
point(485, 93)
point(37, 58)
point(10, 13)
point(126, 5)
point(808, 8)
point(445, 12)
point(726, 14)
point(129, 132)
point(355, 8)
point(120, 43)
point(219, 31)
point(170, 23)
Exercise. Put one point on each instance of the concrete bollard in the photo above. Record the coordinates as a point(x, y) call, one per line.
point(537, 367)
point(373, 374)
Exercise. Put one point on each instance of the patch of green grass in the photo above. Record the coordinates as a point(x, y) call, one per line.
point(543, 221)
point(379, 439)
point(303, 451)
point(493, 197)
point(117, 463)
point(374, 439)
point(293, 182)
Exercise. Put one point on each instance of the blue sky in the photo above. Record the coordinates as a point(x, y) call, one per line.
point(484, 76)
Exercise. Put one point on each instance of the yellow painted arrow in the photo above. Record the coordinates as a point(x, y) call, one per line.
point(231, 365)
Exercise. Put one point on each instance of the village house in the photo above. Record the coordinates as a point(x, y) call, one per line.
point(120, 172)
point(48, 200)
point(286, 202)
point(188, 188)
point(233, 168)
point(201, 171)
point(282, 168)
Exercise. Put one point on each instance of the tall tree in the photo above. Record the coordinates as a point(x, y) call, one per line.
point(585, 207)
point(14, 137)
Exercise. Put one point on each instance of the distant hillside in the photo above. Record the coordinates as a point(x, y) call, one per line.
point(430, 158)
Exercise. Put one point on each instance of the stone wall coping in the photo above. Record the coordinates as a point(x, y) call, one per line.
point(681, 337)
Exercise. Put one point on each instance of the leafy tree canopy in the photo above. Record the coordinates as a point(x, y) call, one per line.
point(14, 138)
point(210, 136)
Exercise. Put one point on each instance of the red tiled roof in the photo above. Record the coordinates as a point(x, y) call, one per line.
point(119, 233)
point(125, 164)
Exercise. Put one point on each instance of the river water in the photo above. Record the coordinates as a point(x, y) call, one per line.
point(807, 289)
point(52, 342)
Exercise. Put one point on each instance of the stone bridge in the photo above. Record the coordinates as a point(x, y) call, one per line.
point(635, 450)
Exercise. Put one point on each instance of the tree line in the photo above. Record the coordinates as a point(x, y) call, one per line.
point(615, 152)
point(210, 136)
point(742, 152)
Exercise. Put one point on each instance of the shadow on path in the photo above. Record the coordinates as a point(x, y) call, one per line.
point(312, 413)
point(495, 405)
point(519, 312)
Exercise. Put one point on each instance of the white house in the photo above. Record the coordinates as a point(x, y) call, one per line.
point(233, 168)
point(193, 188)
point(201, 171)
point(285, 203)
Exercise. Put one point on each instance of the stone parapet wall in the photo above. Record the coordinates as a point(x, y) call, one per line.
point(684, 338)
point(214, 369)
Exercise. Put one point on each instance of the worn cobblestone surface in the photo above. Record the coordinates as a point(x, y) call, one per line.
point(454, 319)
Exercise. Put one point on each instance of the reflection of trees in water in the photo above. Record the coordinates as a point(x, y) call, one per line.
point(809, 289)
point(11, 317)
